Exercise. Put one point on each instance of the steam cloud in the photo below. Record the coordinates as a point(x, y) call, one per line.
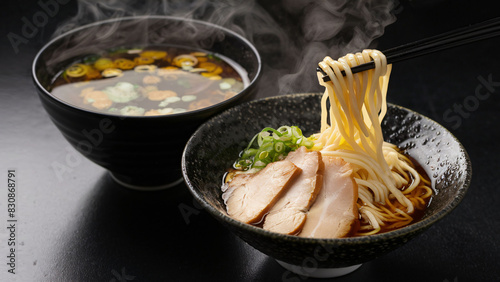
point(306, 32)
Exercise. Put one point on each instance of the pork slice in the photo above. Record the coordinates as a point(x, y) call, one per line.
point(249, 197)
point(288, 215)
point(334, 213)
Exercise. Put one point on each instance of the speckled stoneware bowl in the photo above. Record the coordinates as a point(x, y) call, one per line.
point(215, 146)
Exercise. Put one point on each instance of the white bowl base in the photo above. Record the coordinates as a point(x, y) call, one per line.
point(319, 272)
point(147, 188)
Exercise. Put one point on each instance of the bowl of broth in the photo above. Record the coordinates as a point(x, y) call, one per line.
point(128, 92)
point(220, 144)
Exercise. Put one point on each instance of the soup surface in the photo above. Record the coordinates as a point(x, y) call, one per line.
point(149, 81)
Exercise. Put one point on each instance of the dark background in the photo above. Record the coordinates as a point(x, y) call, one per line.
point(81, 226)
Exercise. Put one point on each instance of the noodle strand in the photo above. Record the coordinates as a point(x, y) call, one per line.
point(389, 188)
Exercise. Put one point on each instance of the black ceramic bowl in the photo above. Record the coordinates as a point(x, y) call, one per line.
point(140, 152)
point(215, 146)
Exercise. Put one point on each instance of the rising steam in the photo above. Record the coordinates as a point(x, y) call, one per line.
point(305, 33)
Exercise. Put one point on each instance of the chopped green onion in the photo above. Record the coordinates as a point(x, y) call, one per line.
point(248, 152)
point(279, 147)
point(188, 98)
point(270, 145)
point(263, 155)
point(284, 129)
point(271, 129)
point(296, 132)
point(230, 81)
point(224, 85)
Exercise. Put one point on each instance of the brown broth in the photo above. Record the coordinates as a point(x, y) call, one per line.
point(417, 215)
point(149, 81)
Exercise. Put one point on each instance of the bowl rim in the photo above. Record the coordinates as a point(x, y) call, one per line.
point(46, 93)
point(420, 225)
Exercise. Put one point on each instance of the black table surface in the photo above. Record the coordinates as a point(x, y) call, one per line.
point(78, 225)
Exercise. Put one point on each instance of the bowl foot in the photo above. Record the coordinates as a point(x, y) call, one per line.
point(317, 272)
point(151, 186)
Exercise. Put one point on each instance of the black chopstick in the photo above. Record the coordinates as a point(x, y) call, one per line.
point(454, 38)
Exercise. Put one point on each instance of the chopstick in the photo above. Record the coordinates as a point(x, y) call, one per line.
point(447, 40)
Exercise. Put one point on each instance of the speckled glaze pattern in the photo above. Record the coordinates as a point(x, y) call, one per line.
point(139, 151)
point(215, 146)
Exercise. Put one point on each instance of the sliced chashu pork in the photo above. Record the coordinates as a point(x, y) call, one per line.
point(249, 197)
point(334, 213)
point(288, 215)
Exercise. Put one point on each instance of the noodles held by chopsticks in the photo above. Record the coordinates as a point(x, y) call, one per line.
point(388, 185)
